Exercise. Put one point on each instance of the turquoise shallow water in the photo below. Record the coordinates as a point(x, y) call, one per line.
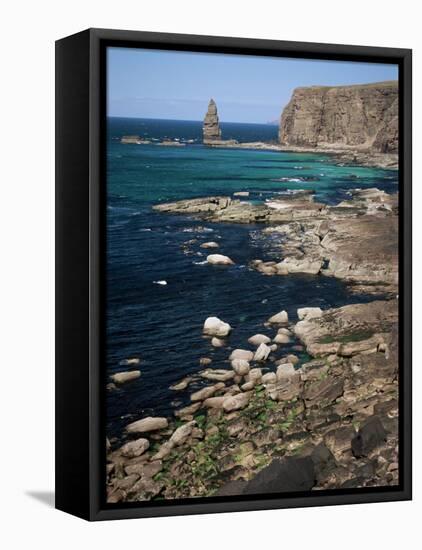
point(162, 323)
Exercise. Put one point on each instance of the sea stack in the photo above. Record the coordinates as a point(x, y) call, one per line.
point(211, 128)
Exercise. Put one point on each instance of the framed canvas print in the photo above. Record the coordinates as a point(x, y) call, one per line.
point(233, 274)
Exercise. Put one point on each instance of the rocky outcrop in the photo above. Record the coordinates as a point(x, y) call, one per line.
point(360, 117)
point(211, 127)
point(356, 240)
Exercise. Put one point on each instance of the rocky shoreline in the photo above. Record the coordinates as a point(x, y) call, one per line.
point(265, 420)
point(266, 423)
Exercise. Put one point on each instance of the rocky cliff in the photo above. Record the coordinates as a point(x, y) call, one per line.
point(211, 128)
point(361, 117)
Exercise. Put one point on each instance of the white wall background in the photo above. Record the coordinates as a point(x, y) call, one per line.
point(29, 29)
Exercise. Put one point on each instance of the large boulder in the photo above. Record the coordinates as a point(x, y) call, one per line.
point(241, 354)
point(286, 370)
point(240, 366)
point(236, 402)
point(287, 475)
point(281, 317)
point(214, 326)
point(258, 339)
point(262, 353)
point(135, 448)
point(209, 391)
point(123, 377)
point(219, 259)
point(220, 375)
point(181, 434)
point(370, 436)
point(148, 424)
point(281, 338)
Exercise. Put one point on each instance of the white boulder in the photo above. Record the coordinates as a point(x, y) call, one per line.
point(214, 326)
point(281, 317)
point(219, 259)
point(309, 313)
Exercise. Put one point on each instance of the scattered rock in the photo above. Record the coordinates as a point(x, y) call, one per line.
point(281, 339)
point(219, 259)
point(130, 362)
point(204, 361)
point(370, 436)
point(236, 402)
point(182, 385)
point(187, 411)
point(134, 448)
point(286, 370)
point(254, 375)
point(241, 354)
point(339, 440)
point(214, 326)
point(209, 391)
point(214, 402)
point(281, 317)
point(217, 342)
point(148, 424)
point(181, 434)
point(123, 377)
point(210, 244)
point(262, 353)
point(218, 374)
point(164, 450)
point(269, 378)
point(258, 339)
point(241, 366)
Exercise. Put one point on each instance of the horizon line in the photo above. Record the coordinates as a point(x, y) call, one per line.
point(269, 123)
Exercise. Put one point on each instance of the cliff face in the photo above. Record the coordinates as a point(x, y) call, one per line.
point(211, 127)
point(361, 116)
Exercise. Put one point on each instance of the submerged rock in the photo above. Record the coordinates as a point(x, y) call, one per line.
point(210, 244)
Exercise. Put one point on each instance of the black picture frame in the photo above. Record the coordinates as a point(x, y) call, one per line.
point(80, 211)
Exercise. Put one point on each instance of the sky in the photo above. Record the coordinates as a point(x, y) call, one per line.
point(178, 85)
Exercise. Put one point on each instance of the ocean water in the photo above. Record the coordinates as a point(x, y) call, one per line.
point(162, 324)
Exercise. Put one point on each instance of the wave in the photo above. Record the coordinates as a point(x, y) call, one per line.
point(299, 179)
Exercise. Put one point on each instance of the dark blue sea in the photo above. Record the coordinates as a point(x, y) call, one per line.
point(162, 324)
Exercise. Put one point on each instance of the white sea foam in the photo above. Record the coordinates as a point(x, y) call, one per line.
point(163, 283)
